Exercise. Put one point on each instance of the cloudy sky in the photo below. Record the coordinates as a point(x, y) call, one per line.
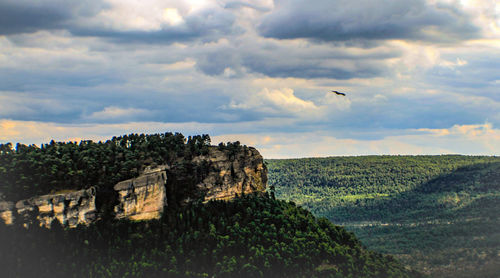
point(421, 76)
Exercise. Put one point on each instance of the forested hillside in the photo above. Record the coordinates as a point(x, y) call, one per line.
point(252, 236)
point(438, 214)
point(31, 170)
point(26, 171)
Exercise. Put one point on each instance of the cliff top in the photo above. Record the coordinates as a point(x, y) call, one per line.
point(31, 170)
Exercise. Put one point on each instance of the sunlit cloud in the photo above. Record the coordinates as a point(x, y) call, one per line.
point(275, 101)
point(420, 76)
point(470, 131)
point(30, 132)
point(470, 140)
point(117, 113)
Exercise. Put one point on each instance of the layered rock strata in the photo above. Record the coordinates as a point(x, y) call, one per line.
point(70, 209)
point(144, 197)
point(232, 174)
point(221, 174)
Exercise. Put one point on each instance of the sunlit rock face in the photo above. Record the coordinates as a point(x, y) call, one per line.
point(144, 197)
point(218, 175)
point(6, 212)
point(70, 209)
point(233, 174)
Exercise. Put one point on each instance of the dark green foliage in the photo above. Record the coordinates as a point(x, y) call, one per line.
point(435, 213)
point(248, 237)
point(27, 171)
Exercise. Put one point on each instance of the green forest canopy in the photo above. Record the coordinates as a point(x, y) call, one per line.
point(251, 236)
point(26, 171)
point(436, 213)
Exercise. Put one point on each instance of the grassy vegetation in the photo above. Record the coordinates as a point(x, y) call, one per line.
point(438, 214)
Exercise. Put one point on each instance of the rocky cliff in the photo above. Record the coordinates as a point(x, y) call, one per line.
point(70, 209)
point(231, 174)
point(6, 212)
point(220, 174)
point(143, 197)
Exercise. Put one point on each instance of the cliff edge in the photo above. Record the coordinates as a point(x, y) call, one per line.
point(219, 174)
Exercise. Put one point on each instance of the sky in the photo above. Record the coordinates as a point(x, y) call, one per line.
point(420, 76)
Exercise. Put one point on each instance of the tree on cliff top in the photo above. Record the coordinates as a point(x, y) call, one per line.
point(31, 170)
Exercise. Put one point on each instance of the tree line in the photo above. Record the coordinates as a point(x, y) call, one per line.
point(29, 170)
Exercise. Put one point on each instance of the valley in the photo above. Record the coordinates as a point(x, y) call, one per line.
point(436, 214)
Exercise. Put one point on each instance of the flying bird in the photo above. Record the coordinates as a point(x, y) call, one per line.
point(338, 93)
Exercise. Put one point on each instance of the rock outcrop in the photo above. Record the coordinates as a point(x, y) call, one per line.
point(232, 174)
point(220, 174)
point(144, 197)
point(6, 212)
point(70, 209)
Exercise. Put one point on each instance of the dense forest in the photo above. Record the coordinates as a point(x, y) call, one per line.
point(27, 171)
point(251, 236)
point(438, 214)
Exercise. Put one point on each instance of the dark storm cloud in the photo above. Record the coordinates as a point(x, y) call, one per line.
point(20, 16)
point(339, 20)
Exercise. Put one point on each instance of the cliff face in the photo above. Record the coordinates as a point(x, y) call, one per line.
point(6, 212)
point(70, 209)
point(218, 175)
point(143, 197)
point(231, 174)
